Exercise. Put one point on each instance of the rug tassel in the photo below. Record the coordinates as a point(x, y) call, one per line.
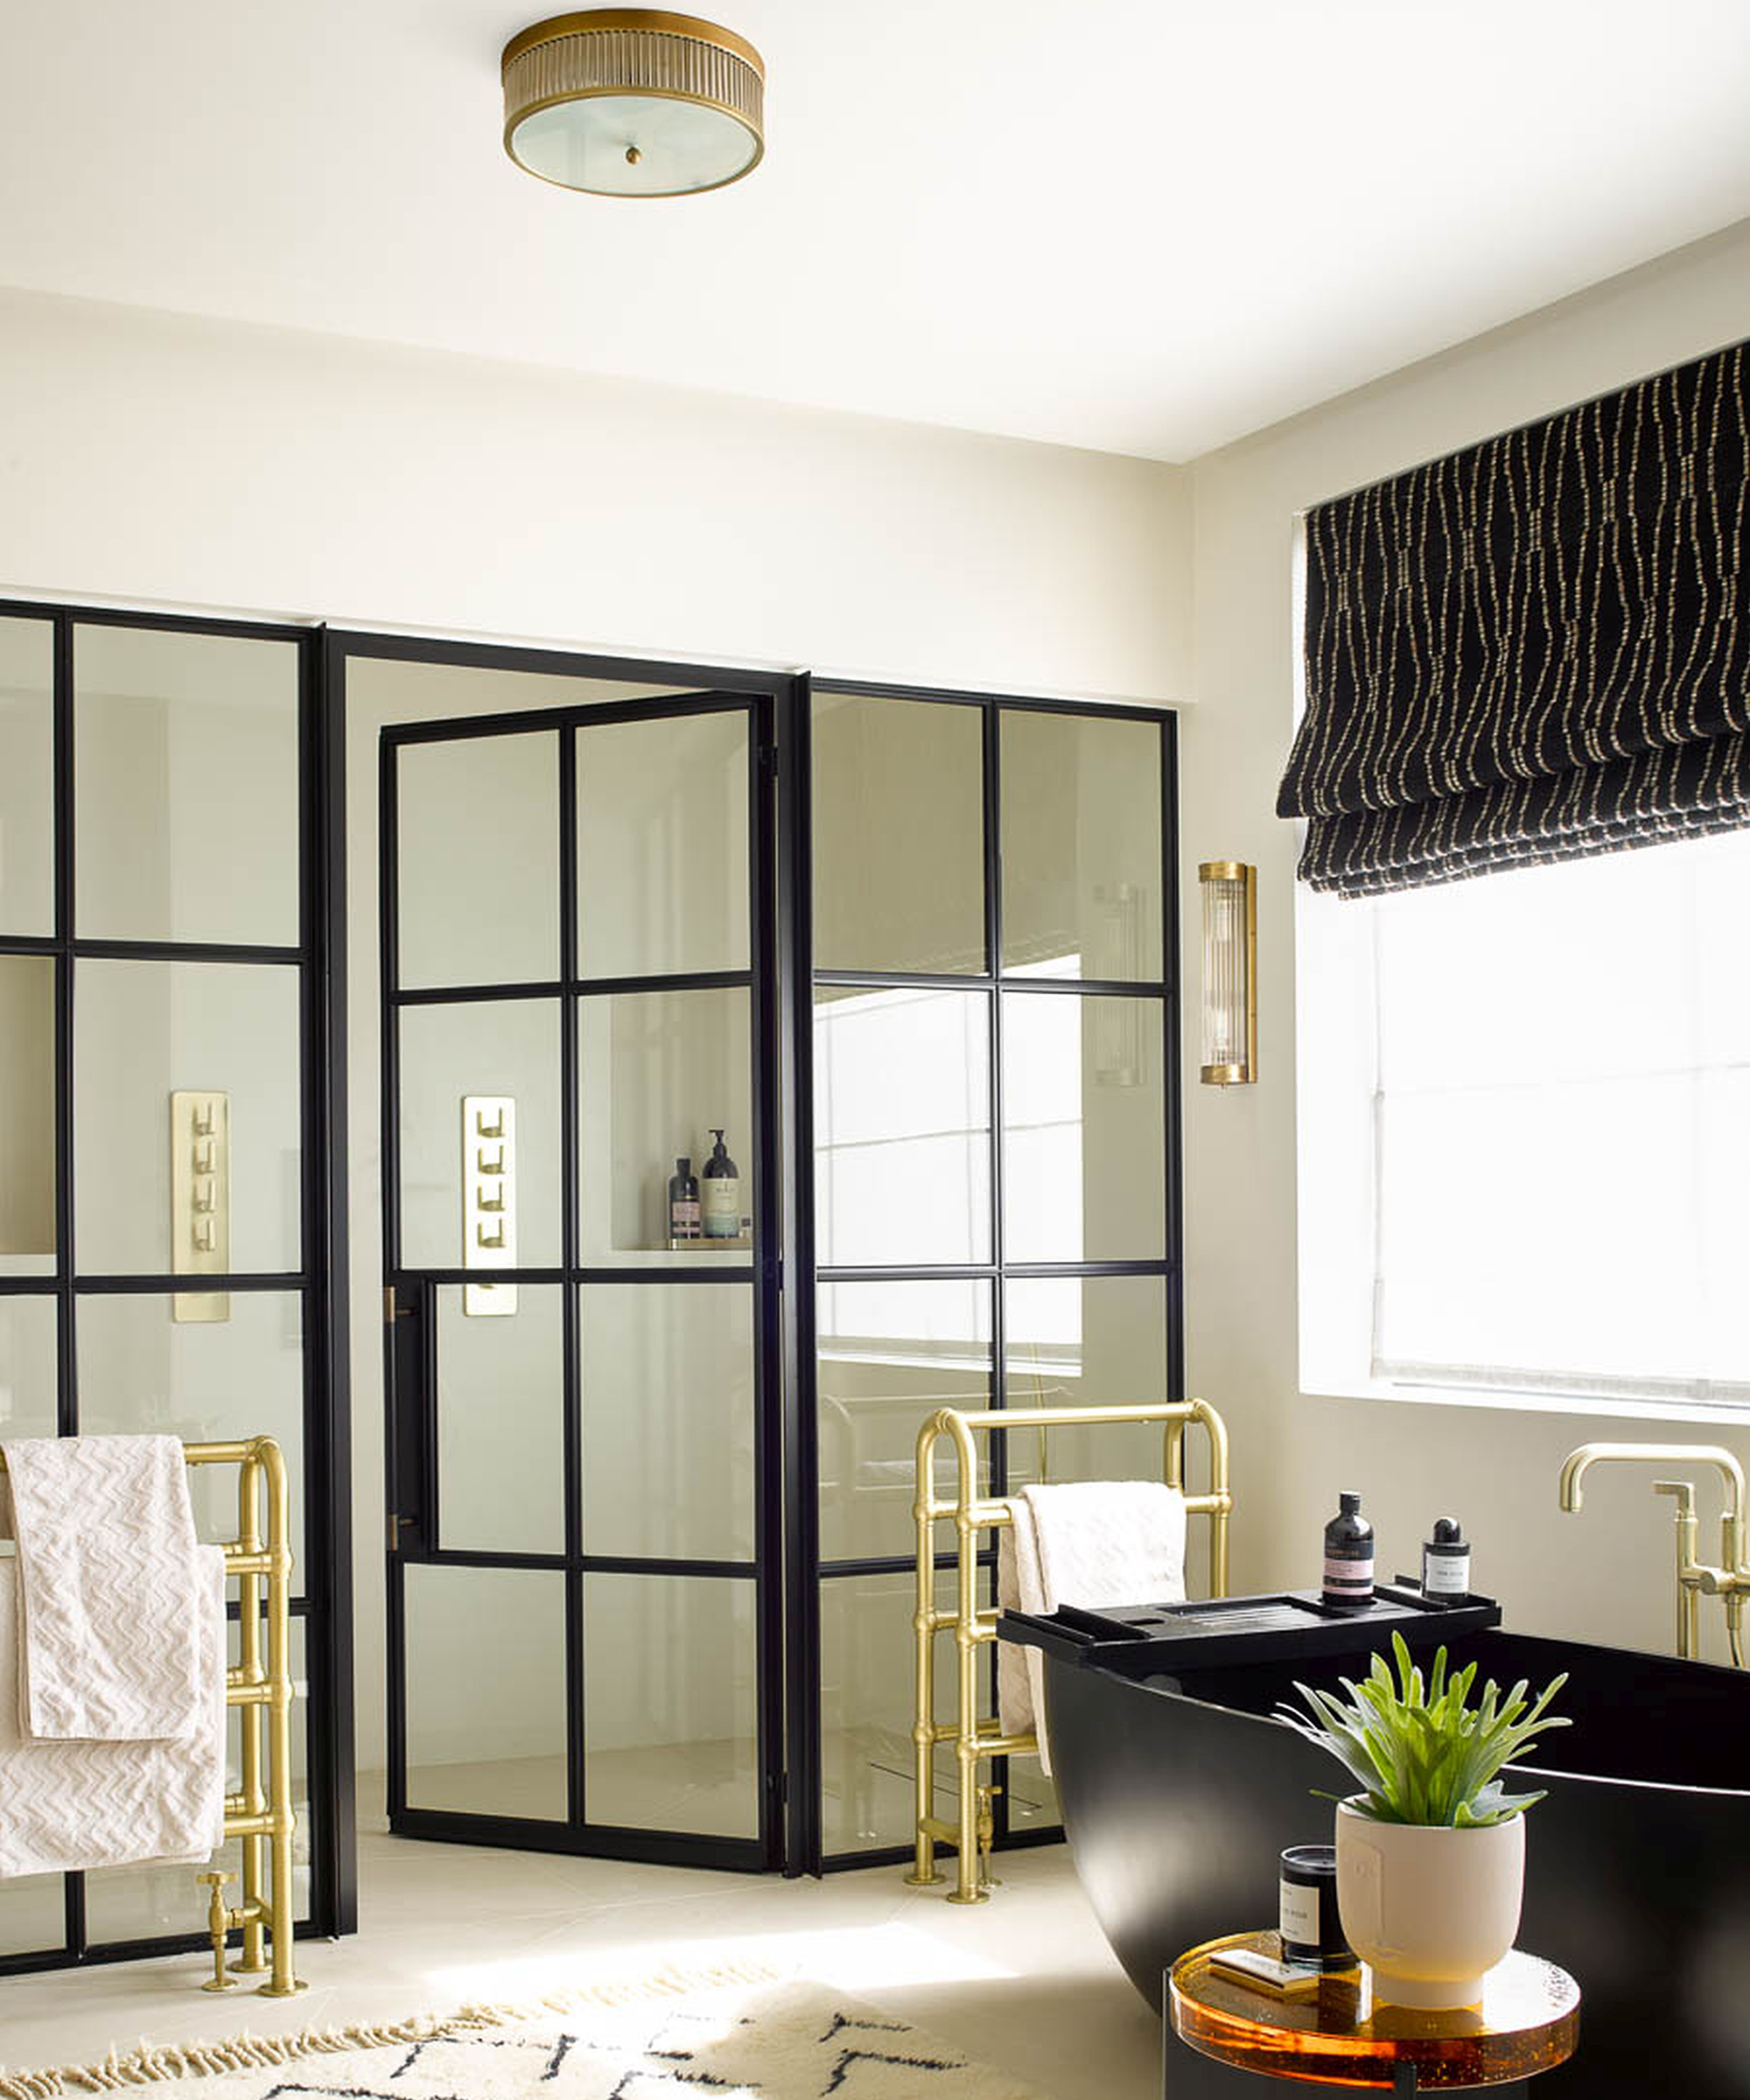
point(147, 2065)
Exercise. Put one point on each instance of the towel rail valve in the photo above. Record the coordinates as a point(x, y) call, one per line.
point(219, 1923)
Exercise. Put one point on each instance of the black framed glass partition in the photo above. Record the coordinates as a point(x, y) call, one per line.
point(169, 929)
point(990, 1096)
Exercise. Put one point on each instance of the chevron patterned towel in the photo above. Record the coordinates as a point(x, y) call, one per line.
point(86, 1805)
point(1091, 1542)
point(107, 1612)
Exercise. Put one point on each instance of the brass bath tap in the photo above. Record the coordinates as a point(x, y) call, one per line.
point(1730, 1579)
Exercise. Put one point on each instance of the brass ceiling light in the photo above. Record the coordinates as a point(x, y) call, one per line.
point(634, 101)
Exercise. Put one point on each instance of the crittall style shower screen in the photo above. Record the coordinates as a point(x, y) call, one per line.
point(650, 1496)
point(912, 954)
point(172, 1205)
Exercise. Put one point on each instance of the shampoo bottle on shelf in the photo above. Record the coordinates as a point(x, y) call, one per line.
point(684, 1202)
point(1447, 1561)
point(720, 1205)
point(1349, 1554)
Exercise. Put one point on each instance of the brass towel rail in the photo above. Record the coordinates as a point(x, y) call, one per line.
point(260, 1813)
point(975, 1739)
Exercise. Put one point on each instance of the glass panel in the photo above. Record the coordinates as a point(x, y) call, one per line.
point(902, 1122)
point(510, 1047)
point(657, 1072)
point(898, 835)
point(662, 865)
point(868, 1691)
point(890, 1355)
point(1084, 1137)
point(668, 1387)
point(501, 1424)
point(26, 782)
point(185, 773)
point(28, 1368)
point(1087, 1341)
point(146, 1030)
point(139, 1903)
point(32, 1915)
point(477, 861)
point(671, 1703)
point(27, 1113)
point(485, 1690)
point(209, 1380)
point(1082, 855)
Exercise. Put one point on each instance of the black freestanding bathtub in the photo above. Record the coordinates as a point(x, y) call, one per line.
point(1179, 1791)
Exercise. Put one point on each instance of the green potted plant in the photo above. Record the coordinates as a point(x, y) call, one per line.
point(1431, 1853)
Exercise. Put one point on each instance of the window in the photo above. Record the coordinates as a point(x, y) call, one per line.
point(1525, 1135)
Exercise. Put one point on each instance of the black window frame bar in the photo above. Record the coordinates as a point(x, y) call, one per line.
point(995, 986)
point(410, 1360)
point(319, 1284)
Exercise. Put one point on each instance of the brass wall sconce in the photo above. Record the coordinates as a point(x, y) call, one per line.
point(1230, 972)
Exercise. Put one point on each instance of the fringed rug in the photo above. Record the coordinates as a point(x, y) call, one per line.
point(668, 2037)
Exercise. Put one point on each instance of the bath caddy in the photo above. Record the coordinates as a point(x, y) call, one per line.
point(1154, 1639)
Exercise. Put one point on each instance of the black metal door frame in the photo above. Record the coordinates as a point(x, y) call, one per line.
point(415, 1537)
point(320, 1281)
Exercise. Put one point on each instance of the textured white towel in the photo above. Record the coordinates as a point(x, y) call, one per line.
point(84, 1804)
point(109, 1640)
point(1090, 1543)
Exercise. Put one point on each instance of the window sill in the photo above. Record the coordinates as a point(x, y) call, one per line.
point(1592, 1406)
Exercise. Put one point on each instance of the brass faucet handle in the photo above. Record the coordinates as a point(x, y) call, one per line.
point(1683, 1490)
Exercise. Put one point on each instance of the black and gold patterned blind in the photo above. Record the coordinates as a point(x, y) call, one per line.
point(1534, 649)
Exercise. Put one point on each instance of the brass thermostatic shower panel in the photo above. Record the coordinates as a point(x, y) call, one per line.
point(489, 1198)
point(200, 1199)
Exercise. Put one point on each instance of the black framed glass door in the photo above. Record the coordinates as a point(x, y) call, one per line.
point(579, 990)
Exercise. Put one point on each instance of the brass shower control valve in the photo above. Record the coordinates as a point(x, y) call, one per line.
point(220, 1921)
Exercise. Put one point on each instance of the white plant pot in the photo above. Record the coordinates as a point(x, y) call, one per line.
point(1430, 1911)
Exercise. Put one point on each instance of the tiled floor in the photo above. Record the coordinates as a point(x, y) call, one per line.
point(1025, 1981)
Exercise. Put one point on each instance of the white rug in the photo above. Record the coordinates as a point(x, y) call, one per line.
point(659, 2040)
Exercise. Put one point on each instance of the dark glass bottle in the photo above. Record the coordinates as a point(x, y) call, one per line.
point(684, 1202)
point(1447, 1561)
point(1349, 1554)
point(721, 1209)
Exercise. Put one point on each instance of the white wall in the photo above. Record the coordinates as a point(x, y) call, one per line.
point(1603, 1575)
point(151, 457)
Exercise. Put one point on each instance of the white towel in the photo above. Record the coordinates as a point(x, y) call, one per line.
point(108, 1619)
point(1090, 1543)
point(65, 1805)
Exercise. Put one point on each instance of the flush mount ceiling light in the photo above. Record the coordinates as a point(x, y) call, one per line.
point(633, 102)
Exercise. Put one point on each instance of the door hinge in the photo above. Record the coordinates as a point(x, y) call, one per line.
point(768, 760)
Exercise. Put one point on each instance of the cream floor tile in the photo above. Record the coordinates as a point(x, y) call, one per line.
point(1025, 1981)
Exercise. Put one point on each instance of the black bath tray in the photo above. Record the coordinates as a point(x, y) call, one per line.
point(1287, 1625)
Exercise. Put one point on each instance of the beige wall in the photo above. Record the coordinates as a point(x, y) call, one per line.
point(1604, 1575)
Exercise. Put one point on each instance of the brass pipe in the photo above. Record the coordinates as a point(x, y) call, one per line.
point(1689, 1599)
point(974, 1739)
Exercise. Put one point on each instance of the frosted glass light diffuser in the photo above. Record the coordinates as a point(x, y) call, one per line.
point(1229, 890)
point(634, 101)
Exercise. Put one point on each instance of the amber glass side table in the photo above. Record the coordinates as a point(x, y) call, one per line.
point(1529, 2021)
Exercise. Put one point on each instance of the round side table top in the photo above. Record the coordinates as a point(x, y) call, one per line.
point(1528, 2021)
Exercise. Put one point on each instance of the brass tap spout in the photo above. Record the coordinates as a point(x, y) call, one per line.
point(1575, 1465)
point(1730, 1578)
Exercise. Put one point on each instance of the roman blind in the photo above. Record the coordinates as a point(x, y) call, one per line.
point(1534, 649)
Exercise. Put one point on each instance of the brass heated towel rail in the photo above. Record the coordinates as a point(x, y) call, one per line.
point(260, 1813)
point(977, 1740)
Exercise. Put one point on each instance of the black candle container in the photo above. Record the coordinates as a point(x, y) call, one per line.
point(1311, 1933)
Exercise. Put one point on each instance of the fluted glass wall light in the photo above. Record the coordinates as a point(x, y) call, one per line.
point(634, 101)
point(1230, 972)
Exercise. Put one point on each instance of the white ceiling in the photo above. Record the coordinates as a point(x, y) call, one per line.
point(1143, 226)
